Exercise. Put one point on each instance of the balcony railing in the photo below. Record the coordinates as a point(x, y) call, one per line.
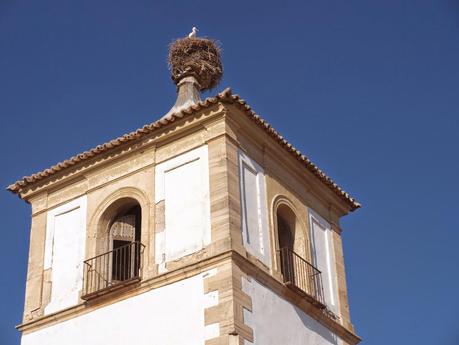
point(301, 276)
point(112, 270)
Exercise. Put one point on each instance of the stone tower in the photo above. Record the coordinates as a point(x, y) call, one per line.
point(205, 227)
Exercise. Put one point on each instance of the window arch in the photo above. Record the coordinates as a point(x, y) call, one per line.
point(293, 251)
point(121, 221)
point(118, 247)
point(286, 227)
point(123, 237)
point(286, 239)
point(289, 229)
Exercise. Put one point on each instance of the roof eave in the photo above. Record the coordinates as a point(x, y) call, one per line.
point(225, 97)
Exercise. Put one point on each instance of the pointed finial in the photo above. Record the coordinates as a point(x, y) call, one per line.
point(193, 33)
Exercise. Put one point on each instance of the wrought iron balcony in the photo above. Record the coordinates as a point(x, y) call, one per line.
point(115, 269)
point(302, 277)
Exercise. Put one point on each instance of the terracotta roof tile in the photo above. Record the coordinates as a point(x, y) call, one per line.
point(226, 97)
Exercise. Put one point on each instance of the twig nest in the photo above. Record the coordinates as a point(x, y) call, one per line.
point(199, 57)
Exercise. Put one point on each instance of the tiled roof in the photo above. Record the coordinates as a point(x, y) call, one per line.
point(226, 97)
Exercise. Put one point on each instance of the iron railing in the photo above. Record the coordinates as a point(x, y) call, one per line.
point(300, 275)
point(112, 270)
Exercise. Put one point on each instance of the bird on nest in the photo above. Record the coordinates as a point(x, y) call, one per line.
point(193, 33)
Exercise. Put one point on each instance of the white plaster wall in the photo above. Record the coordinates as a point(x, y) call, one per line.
point(183, 183)
point(324, 259)
point(276, 321)
point(255, 231)
point(64, 253)
point(172, 315)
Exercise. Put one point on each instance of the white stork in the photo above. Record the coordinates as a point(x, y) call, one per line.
point(193, 32)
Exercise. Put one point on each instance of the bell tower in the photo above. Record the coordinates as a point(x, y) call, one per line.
point(204, 227)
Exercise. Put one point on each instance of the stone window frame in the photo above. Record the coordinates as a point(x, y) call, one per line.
point(301, 230)
point(98, 224)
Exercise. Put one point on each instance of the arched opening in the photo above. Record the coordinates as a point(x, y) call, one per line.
point(286, 228)
point(118, 248)
point(286, 221)
point(297, 273)
point(123, 235)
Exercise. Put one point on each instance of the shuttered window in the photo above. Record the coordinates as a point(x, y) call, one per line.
point(323, 258)
point(254, 209)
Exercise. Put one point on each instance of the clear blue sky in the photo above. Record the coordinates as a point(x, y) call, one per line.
point(369, 90)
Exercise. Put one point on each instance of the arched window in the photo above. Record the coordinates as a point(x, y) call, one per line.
point(286, 222)
point(286, 228)
point(297, 273)
point(119, 249)
point(124, 236)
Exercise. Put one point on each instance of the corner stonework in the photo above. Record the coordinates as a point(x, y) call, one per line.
point(225, 288)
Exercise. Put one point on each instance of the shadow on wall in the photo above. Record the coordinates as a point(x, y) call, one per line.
point(314, 326)
point(275, 320)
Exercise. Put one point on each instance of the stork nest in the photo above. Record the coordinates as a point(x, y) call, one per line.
point(198, 57)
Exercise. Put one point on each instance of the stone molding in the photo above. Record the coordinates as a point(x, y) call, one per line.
point(230, 268)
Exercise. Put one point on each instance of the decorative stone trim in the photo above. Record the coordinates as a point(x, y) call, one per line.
point(224, 97)
point(180, 273)
point(228, 313)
